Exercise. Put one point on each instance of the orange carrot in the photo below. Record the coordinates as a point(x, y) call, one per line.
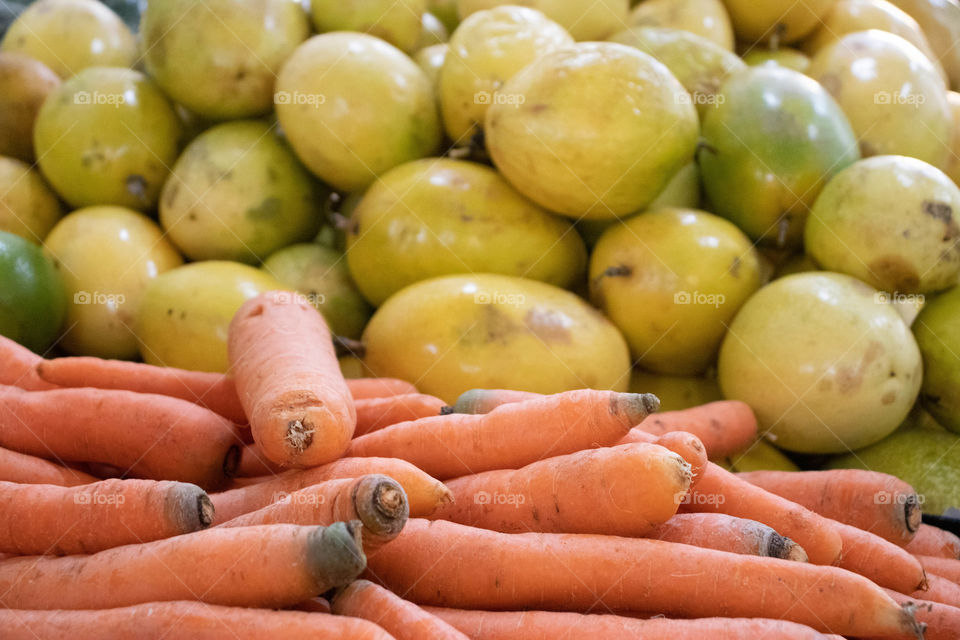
point(289, 381)
point(876, 502)
point(942, 620)
point(403, 620)
point(377, 413)
point(270, 566)
point(720, 491)
point(377, 501)
point(625, 490)
point(939, 590)
point(486, 400)
point(944, 567)
point(318, 605)
point(881, 561)
point(148, 436)
point(725, 427)
point(686, 445)
point(253, 463)
point(424, 494)
point(47, 519)
point(183, 620)
point(17, 367)
point(364, 388)
point(26, 469)
point(555, 625)
point(445, 564)
point(512, 435)
point(934, 541)
point(211, 390)
point(727, 533)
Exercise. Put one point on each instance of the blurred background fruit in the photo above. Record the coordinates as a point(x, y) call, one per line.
point(783, 56)
point(33, 297)
point(396, 21)
point(776, 21)
point(24, 84)
point(705, 18)
point(675, 392)
point(28, 207)
point(938, 336)
point(584, 19)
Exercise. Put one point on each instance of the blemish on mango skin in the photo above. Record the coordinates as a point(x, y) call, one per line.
point(888, 398)
point(849, 379)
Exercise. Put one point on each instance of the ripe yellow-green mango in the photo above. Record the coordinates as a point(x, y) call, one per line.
point(675, 392)
point(584, 19)
point(24, 85)
point(396, 21)
point(783, 56)
point(28, 207)
point(775, 21)
point(705, 18)
point(938, 336)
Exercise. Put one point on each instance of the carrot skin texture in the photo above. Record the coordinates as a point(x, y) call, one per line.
point(148, 436)
point(623, 490)
point(374, 414)
point(686, 445)
point(47, 519)
point(934, 541)
point(720, 491)
point(27, 469)
point(579, 572)
point(254, 463)
point(942, 620)
point(944, 567)
point(289, 381)
point(401, 619)
point(881, 561)
point(939, 590)
point(18, 367)
point(218, 566)
point(725, 427)
point(364, 388)
point(477, 401)
point(876, 502)
point(182, 620)
point(455, 445)
point(727, 533)
point(424, 494)
point(565, 625)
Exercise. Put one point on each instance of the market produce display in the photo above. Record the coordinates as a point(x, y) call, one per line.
point(480, 319)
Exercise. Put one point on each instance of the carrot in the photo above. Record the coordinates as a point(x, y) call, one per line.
point(934, 541)
point(510, 436)
point(486, 400)
point(424, 494)
point(403, 620)
point(364, 388)
point(289, 381)
point(727, 533)
point(211, 390)
point(47, 519)
point(254, 463)
point(944, 567)
point(554, 625)
point(318, 605)
point(725, 427)
point(271, 566)
point(939, 590)
point(26, 469)
point(720, 491)
point(377, 413)
point(881, 561)
point(446, 564)
point(148, 436)
point(876, 502)
point(183, 620)
point(942, 620)
point(625, 490)
point(17, 367)
point(375, 500)
point(686, 445)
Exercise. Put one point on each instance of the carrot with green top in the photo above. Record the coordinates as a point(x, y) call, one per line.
point(401, 619)
point(271, 566)
point(876, 502)
point(446, 564)
point(934, 541)
point(512, 435)
point(47, 519)
point(377, 501)
point(27, 469)
point(147, 436)
point(376, 413)
point(727, 533)
point(881, 561)
point(18, 367)
point(183, 620)
point(424, 493)
point(625, 490)
point(289, 381)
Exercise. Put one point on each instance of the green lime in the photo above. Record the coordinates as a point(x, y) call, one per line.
point(32, 295)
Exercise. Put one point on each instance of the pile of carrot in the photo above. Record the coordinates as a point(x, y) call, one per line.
point(282, 500)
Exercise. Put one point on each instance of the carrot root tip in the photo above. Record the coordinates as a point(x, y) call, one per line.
point(231, 461)
point(912, 513)
point(335, 554)
point(205, 510)
point(382, 505)
point(299, 436)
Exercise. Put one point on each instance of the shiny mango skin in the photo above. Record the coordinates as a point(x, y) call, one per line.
point(780, 21)
point(28, 206)
point(439, 216)
point(584, 19)
point(900, 108)
point(671, 280)
point(770, 145)
point(107, 136)
point(354, 107)
point(938, 335)
point(783, 56)
point(185, 313)
point(825, 364)
point(706, 18)
point(601, 130)
point(396, 21)
point(486, 50)
point(220, 58)
point(107, 257)
point(71, 35)
point(455, 333)
point(431, 60)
